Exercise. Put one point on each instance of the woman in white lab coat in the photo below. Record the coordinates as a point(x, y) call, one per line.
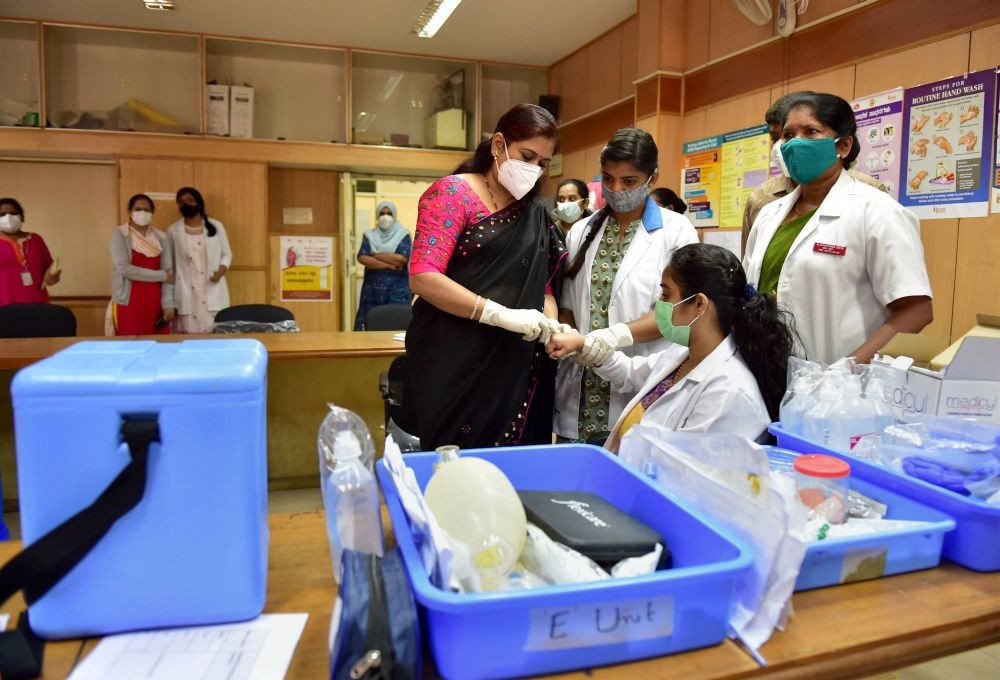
point(724, 369)
point(201, 258)
point(616, 258)
point(843, 257)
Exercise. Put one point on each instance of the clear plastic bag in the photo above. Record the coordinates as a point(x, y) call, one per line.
point(229, 327)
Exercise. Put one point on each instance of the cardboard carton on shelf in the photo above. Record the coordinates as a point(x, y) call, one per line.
point(217, 109)
point(241, 111)
point(987, 326)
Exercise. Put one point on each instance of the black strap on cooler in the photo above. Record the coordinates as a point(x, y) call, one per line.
point(40, 566)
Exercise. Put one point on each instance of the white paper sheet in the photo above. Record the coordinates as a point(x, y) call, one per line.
point(254, 650)
point(726, 238)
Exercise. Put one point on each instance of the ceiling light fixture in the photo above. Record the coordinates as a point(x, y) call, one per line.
point(159, 5)
point(433, 17)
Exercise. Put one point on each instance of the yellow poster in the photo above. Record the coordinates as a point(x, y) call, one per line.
point(307, 268)
point(746, 157)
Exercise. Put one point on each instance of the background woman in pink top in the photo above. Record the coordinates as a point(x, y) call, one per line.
point(484, 263)
point(24, 259)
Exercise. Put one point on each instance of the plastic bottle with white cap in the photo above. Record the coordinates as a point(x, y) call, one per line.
point(350, 498)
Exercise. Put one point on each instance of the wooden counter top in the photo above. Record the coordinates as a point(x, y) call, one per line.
point(18, 353)
point(845, 631)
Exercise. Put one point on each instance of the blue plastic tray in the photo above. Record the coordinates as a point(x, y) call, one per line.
point(975, 542)
point(845, 560)
point(557, 628)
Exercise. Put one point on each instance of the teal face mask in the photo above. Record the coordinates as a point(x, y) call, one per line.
point(680, 335)
point(807, 159)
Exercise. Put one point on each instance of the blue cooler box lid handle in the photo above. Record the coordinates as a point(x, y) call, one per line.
point(40, 566)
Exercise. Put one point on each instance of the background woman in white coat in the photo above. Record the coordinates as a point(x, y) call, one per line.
point(201, 257)
point(843, 257)
point(725, 369)
point(616, 258)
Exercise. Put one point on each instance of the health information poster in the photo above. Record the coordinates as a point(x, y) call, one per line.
point(701, 180)
point(996, 165)
point(306, 268)
point(949, 129)
point(880, 131)
point(746, 158)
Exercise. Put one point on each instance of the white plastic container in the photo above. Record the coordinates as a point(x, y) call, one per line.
point(822, 483)
point(851, 418)
point(350, 498)
point(474, 502)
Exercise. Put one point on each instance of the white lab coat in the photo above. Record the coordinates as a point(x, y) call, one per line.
point(860, 251)
point(720, 395)
point(217, 253)
point(634, 290)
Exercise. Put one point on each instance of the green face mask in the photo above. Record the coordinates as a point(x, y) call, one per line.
point(680, 335)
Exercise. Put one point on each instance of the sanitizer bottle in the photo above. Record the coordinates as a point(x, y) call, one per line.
point(350, 496)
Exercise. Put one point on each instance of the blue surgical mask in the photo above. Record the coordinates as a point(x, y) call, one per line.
point(807, 159)
point(680, 335)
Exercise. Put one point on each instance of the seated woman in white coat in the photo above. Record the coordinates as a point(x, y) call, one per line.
point(725, 369)
point(616, 258)
point(201, 258)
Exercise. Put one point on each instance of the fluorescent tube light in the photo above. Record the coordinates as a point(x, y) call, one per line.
point(160, 5)
point(433, 17)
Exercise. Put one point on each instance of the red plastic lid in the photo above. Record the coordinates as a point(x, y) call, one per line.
point(818, 465)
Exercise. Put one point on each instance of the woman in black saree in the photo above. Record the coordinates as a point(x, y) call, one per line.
point(485, 263)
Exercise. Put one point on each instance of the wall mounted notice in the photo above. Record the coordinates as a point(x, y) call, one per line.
point(701, 180)
point(996, 164)
point(948, 134)
point(880, 131)
point(306, 268)
point(746, 160)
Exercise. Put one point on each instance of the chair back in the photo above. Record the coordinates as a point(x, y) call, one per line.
point(392, 317)
point(36, 320)
point(257, 313)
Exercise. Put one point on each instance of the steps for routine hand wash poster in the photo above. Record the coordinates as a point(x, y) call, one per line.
point(949, 129)
point(880, 131)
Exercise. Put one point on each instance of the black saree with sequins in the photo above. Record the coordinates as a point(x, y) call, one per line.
point(476, 385)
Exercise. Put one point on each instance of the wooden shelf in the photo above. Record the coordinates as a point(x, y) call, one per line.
point(50, 142)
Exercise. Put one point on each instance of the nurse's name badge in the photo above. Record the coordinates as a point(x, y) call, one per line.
point(26, 278)
point(829, 249)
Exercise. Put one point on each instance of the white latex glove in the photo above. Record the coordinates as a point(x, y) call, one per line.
point(547, 328)
point(599, 345)
point(528, 322)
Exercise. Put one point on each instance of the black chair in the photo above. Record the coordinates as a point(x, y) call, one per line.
point(257, 313)
point(394, 317)
point(36, 320)
point(399, 422)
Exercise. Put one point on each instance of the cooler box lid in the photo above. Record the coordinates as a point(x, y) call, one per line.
point(141, 367)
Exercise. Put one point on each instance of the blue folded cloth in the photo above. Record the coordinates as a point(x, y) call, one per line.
point(943, 475)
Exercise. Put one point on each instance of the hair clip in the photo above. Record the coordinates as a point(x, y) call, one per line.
point(749, 292)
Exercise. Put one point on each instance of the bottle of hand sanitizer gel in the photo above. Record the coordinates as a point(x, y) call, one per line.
point(350, 497)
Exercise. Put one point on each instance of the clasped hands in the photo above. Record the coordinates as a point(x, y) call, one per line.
point(560, 339)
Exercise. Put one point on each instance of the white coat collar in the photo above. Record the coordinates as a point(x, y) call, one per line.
point(832, 206)
point(708, 365)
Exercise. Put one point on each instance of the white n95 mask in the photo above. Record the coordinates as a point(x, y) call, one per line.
point(777, 159)
point(10, 224)
point(142, 217)
point(517, 177)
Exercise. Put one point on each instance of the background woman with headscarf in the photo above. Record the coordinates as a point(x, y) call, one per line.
point(385, 252)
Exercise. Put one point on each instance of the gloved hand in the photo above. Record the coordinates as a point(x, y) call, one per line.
point(599, 345)
point(548, 328)
point(528, 322)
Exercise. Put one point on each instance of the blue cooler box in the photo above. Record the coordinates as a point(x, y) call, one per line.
point(975, 542)
point(556, 628)
point(834, 561)
point(194, 550)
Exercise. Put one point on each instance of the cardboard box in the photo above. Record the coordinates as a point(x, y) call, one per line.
point(987, 326)
point(241, 111)
point(446, 130)
point(911, 388)
point(969, 387)
point(217, 109)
